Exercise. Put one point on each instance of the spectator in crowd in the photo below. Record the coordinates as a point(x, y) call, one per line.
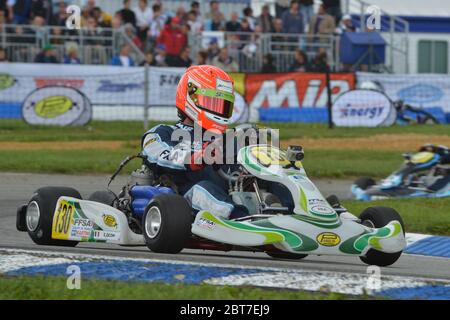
point(248, 14)
point(172, 38)
point(72, 56)
point(268, 64)
point(233, 25)
point(123, 58)
point(42, 8)
point(130, 31)
point(181, 15)
point(307, 10)
point(149, 59)
point(127, 15)
point(183, 60)
point(292, 19)
point(319, 63)
point(278, 28)
point(213, 48)
point(265, 20)
point(214, 11)
point(3, 57)
point(300, 63)
point(333, 8)
point(92, 33)
point(225, 62)
point(160, 55)
point(195, 6)
point(47, 55)
point(321, 24)
point(215, 24)
point(157, 24)
point(143, 17)
point(281, 6)
point(194, 24)
point(202, 57)
point(3, 17)
point(60, 17)
point(21, 10)
point(103, 18)
point(346, 25)
point(245, 27)
point(4, 9)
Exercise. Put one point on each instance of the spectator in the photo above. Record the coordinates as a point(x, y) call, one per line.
point(215, 24)
point(268, 64)
point(292, 19)
point(103, 18)
point(92, 33)
point(281, 6)
point(4, 9)
point(183, 60)
point(300, 63)
point(72, 56)
point(172, 38)
point(149, 59)
point(248, 14)
point(346, 25)
point(42, 8)
point(157, 23)
point(319, 63)
point(143, 17)
point(333, 8)
point(192, 21)
point(47, 55)
point(130, 31)
point(321, 24)
point(127, 15)
point(307, 10)
point(202, 57)
point(213, 48)
point(181, 15)
point(21, 11)
point(233, 25)
point(225, 62)
point(3, 57)
point(123, 58)
point(265, 20)
point(60, 17)
point(160, 56)
point(195, 6)
point(214, 10)
point(278, 28)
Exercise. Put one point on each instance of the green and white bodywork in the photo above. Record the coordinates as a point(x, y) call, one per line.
point(314, 227)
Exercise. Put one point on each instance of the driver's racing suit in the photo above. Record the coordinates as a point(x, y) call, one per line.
point(200, 184)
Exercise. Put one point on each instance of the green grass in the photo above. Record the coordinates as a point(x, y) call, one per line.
point(428, 216)
point(50, 288)
point(318, 163)
point(17, 130)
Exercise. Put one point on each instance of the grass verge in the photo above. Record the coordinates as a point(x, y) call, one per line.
point(51, 288)
point(427, 216)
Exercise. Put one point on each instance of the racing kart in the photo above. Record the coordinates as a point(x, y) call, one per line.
point(423, 174)
point(152, 214)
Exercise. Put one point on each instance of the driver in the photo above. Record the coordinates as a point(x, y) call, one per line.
point(204, 97)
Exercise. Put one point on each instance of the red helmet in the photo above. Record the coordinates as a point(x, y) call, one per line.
point(205, 94)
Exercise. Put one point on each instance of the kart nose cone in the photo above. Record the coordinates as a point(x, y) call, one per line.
point(32, 216)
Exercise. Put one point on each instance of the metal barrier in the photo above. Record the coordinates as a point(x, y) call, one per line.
point(94, 46)
point(249, 49)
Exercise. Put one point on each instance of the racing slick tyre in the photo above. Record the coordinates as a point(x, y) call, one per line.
point(39, 215)
point(364, 182)
point(286, 255)
point(167, 223)
point(377, 217)
point(104, 196)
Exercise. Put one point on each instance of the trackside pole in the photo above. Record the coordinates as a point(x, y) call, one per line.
point(146, 95)
point(329, 102)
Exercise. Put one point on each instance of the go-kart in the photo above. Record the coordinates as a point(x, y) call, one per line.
point(145, 213)
point(423, 174)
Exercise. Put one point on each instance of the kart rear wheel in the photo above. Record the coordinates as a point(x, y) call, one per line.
point(103, 196)
point(286, 255)
point(377, 217)
point(39, 215)
point(167, 223)
point(364, 182)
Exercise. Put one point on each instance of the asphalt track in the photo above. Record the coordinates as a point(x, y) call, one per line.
point(16, 189)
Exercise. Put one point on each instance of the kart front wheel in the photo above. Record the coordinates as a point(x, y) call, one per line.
point(364, 183)
point(39, 215)
point(286, 255)
point(167, 223)
point(378, 217)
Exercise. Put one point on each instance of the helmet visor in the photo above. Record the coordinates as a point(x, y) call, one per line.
point(217, 102)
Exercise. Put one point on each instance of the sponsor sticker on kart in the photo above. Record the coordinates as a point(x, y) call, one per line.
point(328, 239)
point(110, 220)
point(100, 235)
point(206, 224)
